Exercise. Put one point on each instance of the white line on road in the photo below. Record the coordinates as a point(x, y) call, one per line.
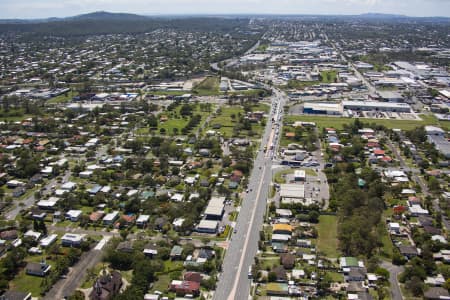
point(241, 262)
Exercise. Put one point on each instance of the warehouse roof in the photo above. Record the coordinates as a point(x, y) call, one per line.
point(375, 104)
point(292, 191)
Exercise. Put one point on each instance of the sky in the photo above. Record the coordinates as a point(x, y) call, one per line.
point(10, 9)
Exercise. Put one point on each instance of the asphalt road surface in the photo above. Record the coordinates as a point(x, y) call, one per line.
point(30, 200)
point(234, 282)
point(66, 287)
point(394, 271)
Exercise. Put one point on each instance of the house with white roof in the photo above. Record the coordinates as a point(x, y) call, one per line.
point(110, 218)
point(69, 186)
point(142, 220)
point(73, 215)
point(72, 239)
point(47, 241)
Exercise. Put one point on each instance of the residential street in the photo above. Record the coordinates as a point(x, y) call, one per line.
point(75, 277)
point(394, 271)
point(30, 200)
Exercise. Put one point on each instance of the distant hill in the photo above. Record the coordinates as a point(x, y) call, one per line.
point(112, 23)
point(381, 16)
point(110, 16)
point(99, 15)
point(103, 15)
point(116, 23)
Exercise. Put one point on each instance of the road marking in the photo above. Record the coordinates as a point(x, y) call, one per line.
point(244, 250)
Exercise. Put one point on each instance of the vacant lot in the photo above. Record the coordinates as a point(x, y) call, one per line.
point(209, 86)
point(228, 118)
point(66, 97)
point(327, 241)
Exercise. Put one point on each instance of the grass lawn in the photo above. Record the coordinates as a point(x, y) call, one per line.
point(65, 224)
point(328, 76)
point(296, 84)
point(338, 123)
point(311, 172)
point(12, 118)
point(167, 93)
point(233, 216)
point(175, 120)
point(170, 265)
point(278, 178)
point(162, 284)
point(13, 114)
point(262, 47)
point(261, 107)
point(174, 123)
point(208, 87)
point(387, 249)
point(225, 120)
point(337, 277)
point(327, 241)
point(127, 275)
point(63, 98)
point(269, 262)
point(272, 191)
point(27, 283)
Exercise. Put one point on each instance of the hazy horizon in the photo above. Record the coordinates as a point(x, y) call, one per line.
point(29, 9)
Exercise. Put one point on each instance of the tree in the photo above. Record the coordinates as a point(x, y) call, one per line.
point(314, 216)
point(433, 184)
point(415, 285)
point(272, 276)
point(152, 121)
point(447, 284)
point(78, 295)
point(325, 282)
point(398, 258)
point(186, 110)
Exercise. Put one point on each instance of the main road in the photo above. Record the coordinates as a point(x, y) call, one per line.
point(234, 282)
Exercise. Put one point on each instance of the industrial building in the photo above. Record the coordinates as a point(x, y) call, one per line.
point(440, 143)
point(294, 193)
point(215, 208)
point(376, 106)
point(391, 96)
point(208, 226)
point(323, 108)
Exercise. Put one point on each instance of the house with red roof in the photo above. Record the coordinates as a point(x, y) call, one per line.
point(182, 288)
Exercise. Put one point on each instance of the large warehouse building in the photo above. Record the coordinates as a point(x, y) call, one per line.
point(292, 193)
point(376, 106)
point(328, 108)
point(322, 108)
